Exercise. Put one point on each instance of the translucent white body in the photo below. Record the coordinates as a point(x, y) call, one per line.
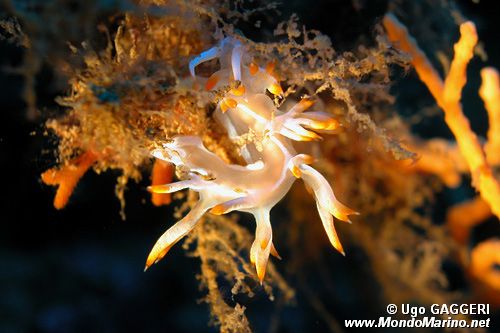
point(272, 169)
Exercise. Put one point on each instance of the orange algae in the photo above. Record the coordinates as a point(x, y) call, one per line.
point(448, 96)
point(67, 176)
point(162, 173)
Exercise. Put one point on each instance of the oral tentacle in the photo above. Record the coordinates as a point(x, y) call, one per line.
point(236, 56)
point(207, 55)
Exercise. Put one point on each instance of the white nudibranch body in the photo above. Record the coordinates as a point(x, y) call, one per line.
point(272, 169)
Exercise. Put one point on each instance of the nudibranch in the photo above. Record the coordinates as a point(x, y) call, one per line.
point(272, 166)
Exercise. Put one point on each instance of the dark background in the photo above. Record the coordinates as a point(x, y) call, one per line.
point(81, 269)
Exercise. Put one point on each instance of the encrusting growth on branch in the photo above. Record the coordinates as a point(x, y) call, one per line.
point(448, 96)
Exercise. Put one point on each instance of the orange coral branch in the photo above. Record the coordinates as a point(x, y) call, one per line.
point(398, 34)
point(484, 259)
point(67, 176)
point(161, 174)
point(441, 158)
point(457, 76)
point(490, 93)
point(462, 217)
point(447, 96)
